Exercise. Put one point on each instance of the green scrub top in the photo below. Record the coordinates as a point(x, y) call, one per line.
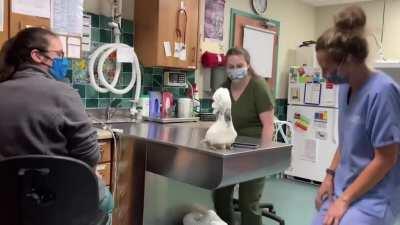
point(255, 99)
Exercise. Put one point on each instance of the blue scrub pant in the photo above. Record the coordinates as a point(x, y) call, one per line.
point(355, 216)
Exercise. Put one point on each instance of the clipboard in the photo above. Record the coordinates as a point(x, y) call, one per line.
point(245, 145)
point(312, 93)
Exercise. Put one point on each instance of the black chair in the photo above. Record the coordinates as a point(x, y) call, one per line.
point(48, 190)
point(267, 210)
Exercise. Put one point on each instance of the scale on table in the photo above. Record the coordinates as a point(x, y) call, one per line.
point(175, 79)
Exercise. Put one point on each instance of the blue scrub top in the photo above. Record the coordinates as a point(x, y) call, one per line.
point(369, 121)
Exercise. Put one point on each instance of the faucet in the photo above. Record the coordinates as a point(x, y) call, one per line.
point(113, 104)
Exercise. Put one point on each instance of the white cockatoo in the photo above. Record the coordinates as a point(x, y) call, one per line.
point(203, 218)
point(221, 134)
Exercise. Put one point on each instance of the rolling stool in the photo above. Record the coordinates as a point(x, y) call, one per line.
point(267, 211)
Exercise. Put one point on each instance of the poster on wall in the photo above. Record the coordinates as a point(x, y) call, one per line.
point(67, 17)
point(214, 20)
point(86, 33)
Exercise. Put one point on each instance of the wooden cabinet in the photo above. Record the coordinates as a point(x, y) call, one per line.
point(124, 174)
point(104, 172)
point(105, 151)
point(5, 33)
point(19, 22)
point(14, 22)
point(159, 21)
point(103, 169)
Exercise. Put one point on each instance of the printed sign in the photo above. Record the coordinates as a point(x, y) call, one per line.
point(321, 120)
point(301, 122)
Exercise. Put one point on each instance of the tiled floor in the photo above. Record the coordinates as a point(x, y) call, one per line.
point(294, 201)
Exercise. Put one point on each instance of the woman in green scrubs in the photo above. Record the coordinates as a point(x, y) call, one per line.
point(253, 116)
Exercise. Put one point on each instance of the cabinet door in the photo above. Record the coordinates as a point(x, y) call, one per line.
point(193, 34)
point(104, 172)
point(4, 34)
point(168, 16)
point(19, 22)
point(105, 151)
point(146, 31)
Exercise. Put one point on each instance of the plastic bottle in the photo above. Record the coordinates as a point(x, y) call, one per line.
point(196, 100)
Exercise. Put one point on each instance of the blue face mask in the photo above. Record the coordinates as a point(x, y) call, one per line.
point(335, 78)
point(237, 74)
point(59, 68)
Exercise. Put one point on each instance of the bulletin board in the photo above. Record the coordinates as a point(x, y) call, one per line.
point(255, 40)
point(259, 38)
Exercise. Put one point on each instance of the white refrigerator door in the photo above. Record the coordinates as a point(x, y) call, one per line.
point(315, 140)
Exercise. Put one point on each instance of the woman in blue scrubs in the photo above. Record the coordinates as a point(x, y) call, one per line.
point(362, 185)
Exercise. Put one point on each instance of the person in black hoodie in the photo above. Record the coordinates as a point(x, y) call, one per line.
point(39, 114)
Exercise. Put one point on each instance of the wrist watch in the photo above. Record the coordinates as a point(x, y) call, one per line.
point(330, 172)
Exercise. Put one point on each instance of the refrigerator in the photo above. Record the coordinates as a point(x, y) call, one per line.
point(313, 111)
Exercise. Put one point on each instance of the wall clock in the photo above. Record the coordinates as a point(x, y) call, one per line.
point(259, 6)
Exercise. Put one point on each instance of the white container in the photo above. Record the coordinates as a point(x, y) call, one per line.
point(185, 108)
point(145, 103)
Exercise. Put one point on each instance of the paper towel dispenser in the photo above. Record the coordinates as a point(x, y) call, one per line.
point(218, 77)
point(306, 54)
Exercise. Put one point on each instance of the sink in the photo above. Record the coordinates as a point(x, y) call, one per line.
point(120, 116)
point(112, 120)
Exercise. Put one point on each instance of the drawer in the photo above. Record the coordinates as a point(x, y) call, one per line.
point(104, 172)
point(105, 151)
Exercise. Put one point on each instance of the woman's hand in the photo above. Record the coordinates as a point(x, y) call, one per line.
point(325, 191)
point(336, 212)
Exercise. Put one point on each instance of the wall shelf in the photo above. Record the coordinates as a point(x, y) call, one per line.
point(387, 65)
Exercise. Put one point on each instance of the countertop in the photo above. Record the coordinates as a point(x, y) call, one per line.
point(103, 134)
point(186, 135)
point(106, 134)
point(178, 151)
